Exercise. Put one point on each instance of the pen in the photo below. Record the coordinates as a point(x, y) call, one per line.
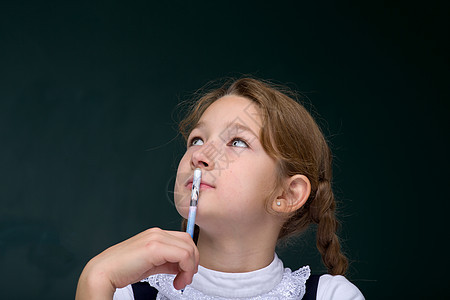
point(193, 205)
point(194, 201)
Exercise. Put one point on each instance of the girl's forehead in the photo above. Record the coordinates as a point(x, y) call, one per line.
point(232, 110)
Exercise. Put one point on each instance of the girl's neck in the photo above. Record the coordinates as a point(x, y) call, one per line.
point(236, 254)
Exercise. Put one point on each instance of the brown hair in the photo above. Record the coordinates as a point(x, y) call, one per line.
point(291, 136)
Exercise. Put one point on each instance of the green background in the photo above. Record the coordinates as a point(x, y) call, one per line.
point(89, 147)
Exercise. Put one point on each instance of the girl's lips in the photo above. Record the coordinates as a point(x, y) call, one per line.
point(203, 186)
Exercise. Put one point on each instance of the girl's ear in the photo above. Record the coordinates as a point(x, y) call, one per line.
point(294, 196)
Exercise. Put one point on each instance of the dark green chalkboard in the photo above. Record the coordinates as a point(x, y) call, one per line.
point(89, 147)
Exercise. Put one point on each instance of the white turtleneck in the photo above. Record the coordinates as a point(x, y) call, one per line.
point(273, 281)
point(239, 285)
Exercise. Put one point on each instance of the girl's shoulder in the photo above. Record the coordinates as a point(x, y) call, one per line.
point(337, 287)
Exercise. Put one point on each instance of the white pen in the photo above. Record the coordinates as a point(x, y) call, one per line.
point(194, 201)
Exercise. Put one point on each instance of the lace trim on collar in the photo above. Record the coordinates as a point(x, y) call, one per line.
point(292, 286)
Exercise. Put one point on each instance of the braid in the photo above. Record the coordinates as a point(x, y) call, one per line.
point(322, 212)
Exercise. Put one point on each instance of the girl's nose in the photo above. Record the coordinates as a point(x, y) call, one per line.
point(204, 157)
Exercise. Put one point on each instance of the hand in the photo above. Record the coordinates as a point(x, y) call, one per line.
point(151, 252)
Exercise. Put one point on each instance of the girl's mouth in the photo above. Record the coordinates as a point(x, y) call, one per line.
point(203, 186)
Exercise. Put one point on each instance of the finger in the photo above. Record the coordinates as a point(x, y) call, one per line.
point(182, 239)
point(174, 260)
point(168, 268)
point(176, 239)
point(182, 280)
point(191, 246)
point(159, 253)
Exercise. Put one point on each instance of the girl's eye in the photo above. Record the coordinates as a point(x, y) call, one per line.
point(196, 142)
point(236, 142)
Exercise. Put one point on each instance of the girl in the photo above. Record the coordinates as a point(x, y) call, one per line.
point(266, 176)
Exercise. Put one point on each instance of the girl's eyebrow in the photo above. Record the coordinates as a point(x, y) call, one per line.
point(232, 125)
point(238, 127)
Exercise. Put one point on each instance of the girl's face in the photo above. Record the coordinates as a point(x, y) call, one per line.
point(237, 174)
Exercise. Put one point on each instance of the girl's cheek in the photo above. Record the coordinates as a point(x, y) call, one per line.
point(181, 203)
point(181, 193)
